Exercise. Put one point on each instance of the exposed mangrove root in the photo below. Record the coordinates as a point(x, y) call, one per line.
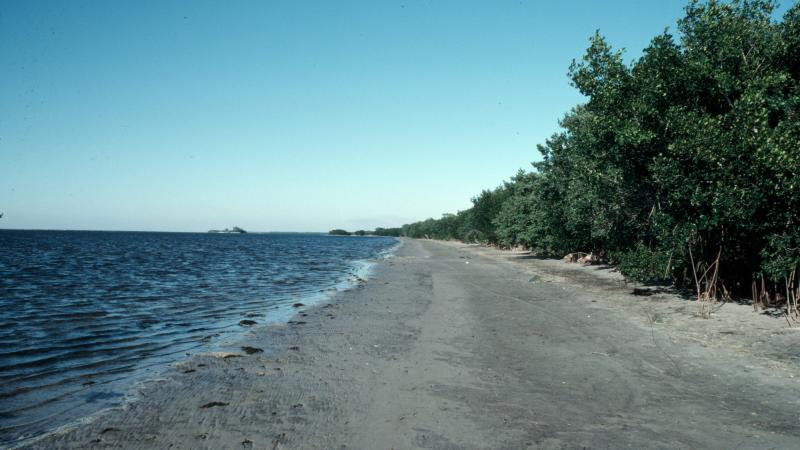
point(706, 284)
point(785, 298)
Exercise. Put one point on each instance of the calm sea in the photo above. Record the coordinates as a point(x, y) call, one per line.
point(85, 314)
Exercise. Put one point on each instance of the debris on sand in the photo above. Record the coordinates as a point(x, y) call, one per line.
point(252, 350)
point(589, 259)
point(223, 355)
point(213, 404)
point(573, 257)
point(585, 259)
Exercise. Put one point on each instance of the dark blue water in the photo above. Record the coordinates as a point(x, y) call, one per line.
point(84, 314)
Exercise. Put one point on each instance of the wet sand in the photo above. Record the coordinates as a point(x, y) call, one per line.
point(454, 346)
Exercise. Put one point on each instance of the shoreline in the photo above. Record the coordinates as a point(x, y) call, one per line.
point(502, 352)
point(281, 314)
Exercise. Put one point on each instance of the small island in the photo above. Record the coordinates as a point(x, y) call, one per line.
point(229, 230)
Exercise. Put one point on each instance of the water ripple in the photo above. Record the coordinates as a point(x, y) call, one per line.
point(83, 314)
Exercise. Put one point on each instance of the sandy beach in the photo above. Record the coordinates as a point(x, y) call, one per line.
point(454, 346)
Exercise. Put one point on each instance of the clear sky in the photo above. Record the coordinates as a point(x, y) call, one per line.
point(294, 116)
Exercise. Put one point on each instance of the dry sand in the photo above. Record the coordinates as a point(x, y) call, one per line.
point(455, 346)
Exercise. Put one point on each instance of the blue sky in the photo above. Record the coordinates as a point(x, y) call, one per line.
point(297, 115)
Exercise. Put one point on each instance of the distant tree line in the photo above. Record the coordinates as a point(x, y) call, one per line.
point(683, 165)
point(376, 232)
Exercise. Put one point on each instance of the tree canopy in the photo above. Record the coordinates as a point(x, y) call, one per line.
point(687, 157)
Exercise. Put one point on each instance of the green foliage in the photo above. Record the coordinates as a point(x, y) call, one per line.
point(692, 148)
point(644, 263)
point(485, 207)
point(396, 232)
point(385, 232)
point(475, 224)
point(450, 226)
